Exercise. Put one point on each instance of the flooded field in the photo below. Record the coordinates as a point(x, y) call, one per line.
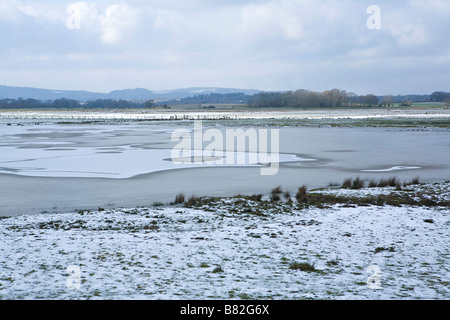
point(54, 166)
point(87, 209)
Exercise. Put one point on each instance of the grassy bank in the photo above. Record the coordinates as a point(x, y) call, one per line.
point(353, 192)
point(245, 247)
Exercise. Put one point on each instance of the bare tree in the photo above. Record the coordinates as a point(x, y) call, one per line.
point(388, 100)
point(447, 102)
point(351, 98)
point(371, 100)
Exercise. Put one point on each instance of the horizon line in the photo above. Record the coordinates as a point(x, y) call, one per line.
point(210, 87)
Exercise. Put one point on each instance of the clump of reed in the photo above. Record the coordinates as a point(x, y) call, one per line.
point(179, 198)
point(275, 194)
point(392, 182)
point(302, 194)
point(350, 183)
point(358, 183)
point(192, 201)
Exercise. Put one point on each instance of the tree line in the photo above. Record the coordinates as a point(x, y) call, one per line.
point(440, 96)
point(212, 98)
point(334, 98)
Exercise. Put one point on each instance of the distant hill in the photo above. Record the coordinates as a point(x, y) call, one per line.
point(7, 92)
point(138, 94)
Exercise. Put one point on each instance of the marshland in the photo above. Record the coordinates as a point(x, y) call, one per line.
point(103, 198)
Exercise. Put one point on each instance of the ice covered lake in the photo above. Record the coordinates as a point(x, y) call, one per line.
point(62, 167)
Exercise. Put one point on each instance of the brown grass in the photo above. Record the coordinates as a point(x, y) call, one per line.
point(179, 198)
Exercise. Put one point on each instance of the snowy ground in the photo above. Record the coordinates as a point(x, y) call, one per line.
point(231, 249)
point(194, 114)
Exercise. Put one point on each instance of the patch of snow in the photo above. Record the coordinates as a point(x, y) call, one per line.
point(123, 162)
point(173, 252)
point(395, 168)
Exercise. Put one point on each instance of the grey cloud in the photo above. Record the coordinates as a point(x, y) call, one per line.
point(283, 44)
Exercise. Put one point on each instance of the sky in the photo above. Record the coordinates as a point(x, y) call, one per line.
point(379, 47)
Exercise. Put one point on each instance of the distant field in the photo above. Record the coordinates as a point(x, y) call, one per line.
point(417, 115)
point(239, 107)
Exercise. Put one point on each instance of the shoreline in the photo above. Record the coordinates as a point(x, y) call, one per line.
point(396, 118)
point(243, 113)
point(233, 248)
point(339, 153)
point(322, 243)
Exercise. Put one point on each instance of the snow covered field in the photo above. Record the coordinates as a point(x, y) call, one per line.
point(232, 248)
point(375, 113)
point(224, 247)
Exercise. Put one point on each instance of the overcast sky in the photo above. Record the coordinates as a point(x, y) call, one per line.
point(250, 44)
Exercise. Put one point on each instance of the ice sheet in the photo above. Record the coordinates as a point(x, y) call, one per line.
point(118, 162)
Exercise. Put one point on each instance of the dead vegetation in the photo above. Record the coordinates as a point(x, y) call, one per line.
point(280, 200)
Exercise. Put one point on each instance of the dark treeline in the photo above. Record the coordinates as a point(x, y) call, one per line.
point(335, 98)
point(212, 98)
point(440, 96)
point(73, 104)
point(302, 99)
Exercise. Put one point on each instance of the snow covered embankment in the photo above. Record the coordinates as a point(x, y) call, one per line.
point(233, 248)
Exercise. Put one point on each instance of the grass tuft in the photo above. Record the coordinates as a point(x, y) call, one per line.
point(192, 201)
point(274, 197)
point(217, 269)
point(347, 184)
point(357, 183)
point(372, 184)
point(303, 266)
point(301, 195)
point(277, 190)
point(393, 181)
point(157, 204)
point(256, 197)
point(287, 195)
point(179, 198)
